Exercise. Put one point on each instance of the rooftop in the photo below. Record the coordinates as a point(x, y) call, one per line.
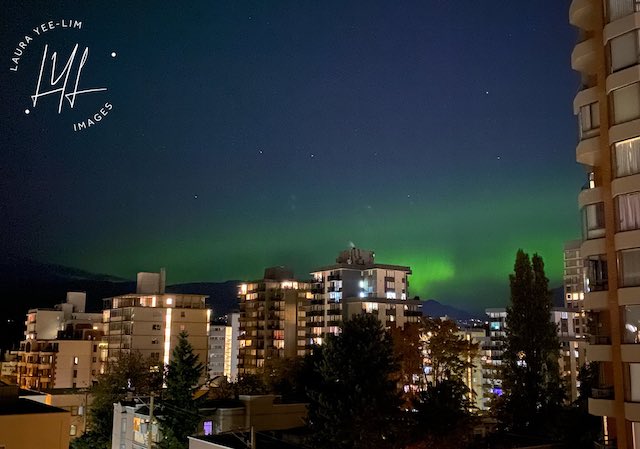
point(27, 407)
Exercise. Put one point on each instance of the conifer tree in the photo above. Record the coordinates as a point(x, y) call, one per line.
point(179, 412)
point(356, 400)
point(533, 390)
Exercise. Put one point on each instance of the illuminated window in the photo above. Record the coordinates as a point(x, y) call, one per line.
point(621, 8)
point(73, 430)
point(169, 301)
point(626, 103)
point(627, 157)
point(75, 360)
point(208, 428)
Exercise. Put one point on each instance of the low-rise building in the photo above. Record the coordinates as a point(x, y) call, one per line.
point(27, 424)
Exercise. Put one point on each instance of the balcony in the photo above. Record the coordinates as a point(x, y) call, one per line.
point(590, 196)
point(630, 353)
point(628, 296)
point(599, 349)
point(596, 300)
point(588, 151)
point(632, 411)
point(582, 14)
point(601, 407)
point(583, 56)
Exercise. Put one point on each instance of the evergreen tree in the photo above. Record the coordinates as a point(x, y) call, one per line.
point(533, 390)
point(355, 402)
point(179, 411)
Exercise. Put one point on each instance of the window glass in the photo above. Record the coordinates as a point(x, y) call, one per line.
point(593, 221)
point(627, 157)
point(632, 324)
point(628, 207)
point(621, 8)
point(626, 103)
point(589, 120)
point(624, 51)
point(629, 267)
point(596, 277)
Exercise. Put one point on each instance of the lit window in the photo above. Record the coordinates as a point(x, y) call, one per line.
point(75, 360)
point(169, 301)
point(208, 428)
point(627, 157)
point(73, 430)
point(626, 103)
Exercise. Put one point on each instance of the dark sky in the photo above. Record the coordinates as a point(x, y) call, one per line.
point(247, 134)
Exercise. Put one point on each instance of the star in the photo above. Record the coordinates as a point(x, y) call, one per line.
point(195, 197)
point(312, 155)
point(113, 54)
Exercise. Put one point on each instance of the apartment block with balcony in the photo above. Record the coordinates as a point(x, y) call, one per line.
point(272, 319)
point(150, 320)
point(608, 110)
point(60, 349)
point(357, 284)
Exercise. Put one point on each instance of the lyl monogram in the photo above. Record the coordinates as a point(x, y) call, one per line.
point(65, 73)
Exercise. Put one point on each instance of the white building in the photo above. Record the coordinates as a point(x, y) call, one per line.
point(357, 284)
point(61, 346)
point(150, 321)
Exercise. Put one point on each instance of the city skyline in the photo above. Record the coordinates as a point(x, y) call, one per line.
point(247, 136)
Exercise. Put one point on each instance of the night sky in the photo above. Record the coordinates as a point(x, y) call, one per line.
point(247, 134)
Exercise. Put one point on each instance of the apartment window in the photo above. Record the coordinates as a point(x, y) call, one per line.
point(156, 327)
point(208, 428)
point(628, 209)
point(621, 8)
point(75, 360)
point(154, 341)
point(94, 359)
point(629, 261)
point(627, 157)
point(73, 430)
point(593, 221)
point(183, 314)
point(626, 103)
point(95, 348)
point(74, 410)
point(632, 324)
point(624, 51)
point(596, 277)
point(589, 120)
point(75, 373)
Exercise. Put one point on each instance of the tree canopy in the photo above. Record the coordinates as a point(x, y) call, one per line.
point(356, 401)
point(533, 390)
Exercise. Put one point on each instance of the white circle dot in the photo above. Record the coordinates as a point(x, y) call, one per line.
point(26, 111)
point(113, 54)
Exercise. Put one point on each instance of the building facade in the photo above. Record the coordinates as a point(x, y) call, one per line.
point(357, 284)
point(608, 110)
point(272, 320)
point(150, 321)
point(61, 346)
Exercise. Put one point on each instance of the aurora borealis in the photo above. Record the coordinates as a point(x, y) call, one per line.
point(247, 134)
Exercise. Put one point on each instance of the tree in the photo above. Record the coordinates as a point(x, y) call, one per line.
point(356, 402)
point(407, 348)
point(444, 418)
point(533, 390)
point(179, 412)
point(448, 353)
point(130, 374)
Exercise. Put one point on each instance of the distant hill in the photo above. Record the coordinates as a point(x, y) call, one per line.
point(27, 284)
point(435, 309)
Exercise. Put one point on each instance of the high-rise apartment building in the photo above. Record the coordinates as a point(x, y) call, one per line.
point(223, 348)
point(60, 349)
point(150, 321)
point(271, 319)
point(608, 110)
point(357, 284)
